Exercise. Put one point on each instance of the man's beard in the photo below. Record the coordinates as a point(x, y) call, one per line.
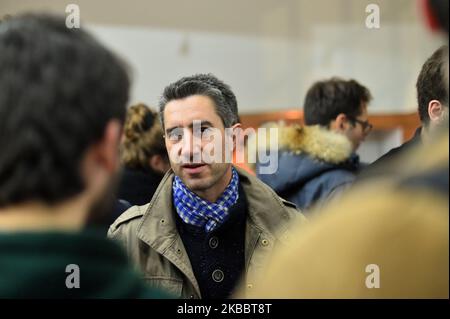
point(104, 205)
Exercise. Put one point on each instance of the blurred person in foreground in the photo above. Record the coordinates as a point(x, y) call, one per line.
point(387, 238)
point(62, 103)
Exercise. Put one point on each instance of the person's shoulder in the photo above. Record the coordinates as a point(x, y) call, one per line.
point(396, 151)
point(293, 211)
point(131, 216)
point(388, 156)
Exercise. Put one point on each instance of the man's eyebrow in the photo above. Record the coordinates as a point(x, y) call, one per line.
point(202, 123)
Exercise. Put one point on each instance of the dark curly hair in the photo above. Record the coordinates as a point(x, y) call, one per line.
point(58, 89)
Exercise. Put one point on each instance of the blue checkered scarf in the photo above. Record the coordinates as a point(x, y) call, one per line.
point(199, 212)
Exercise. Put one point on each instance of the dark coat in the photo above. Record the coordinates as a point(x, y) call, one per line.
point(304, 180)
point(102, 223)
point(415, 140)
point(138, 186)
point(385, 164)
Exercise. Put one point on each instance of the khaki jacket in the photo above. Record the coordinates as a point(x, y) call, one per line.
point(150, 236)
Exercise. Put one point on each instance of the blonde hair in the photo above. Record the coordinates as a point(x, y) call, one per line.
point(142, 137)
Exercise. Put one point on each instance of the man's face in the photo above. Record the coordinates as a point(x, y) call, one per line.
point(182, 143)
point(357, 132)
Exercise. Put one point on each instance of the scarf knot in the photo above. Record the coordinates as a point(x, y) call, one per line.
point(199, 212)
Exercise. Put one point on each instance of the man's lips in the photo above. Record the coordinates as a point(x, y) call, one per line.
point(193, 168)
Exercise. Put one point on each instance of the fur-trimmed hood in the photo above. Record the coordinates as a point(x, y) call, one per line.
point(315, 141)
point(311, 154)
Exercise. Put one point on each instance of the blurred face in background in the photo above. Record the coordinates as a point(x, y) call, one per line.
point(354, 128)
point(359, 128)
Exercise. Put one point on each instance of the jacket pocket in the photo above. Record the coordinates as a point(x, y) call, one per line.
point(170, 285)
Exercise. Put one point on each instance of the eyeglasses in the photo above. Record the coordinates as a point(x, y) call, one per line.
point(365, 125)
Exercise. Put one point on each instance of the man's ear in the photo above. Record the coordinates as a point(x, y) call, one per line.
point(435, 111)
point(237, 135)
point(340, 124)
point(106, 150)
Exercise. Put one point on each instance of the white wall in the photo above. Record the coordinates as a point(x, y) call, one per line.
point(262, 71)
point(269, 73)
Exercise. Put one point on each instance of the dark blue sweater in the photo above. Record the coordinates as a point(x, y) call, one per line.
point(217, 257)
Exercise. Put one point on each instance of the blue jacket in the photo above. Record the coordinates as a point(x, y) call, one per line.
point(312, 167)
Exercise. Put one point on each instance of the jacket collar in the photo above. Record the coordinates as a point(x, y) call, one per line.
point(264, 206)
point(264, 209)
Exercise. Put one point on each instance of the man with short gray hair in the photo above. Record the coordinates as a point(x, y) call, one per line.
point(209, 224)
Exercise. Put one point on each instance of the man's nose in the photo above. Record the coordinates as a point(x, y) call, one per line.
point(191, 145)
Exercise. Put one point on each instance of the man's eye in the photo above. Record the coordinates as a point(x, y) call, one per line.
point(176, 135)
point(205, 129)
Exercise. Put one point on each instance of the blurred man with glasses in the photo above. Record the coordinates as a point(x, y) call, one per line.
point(318, 160)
